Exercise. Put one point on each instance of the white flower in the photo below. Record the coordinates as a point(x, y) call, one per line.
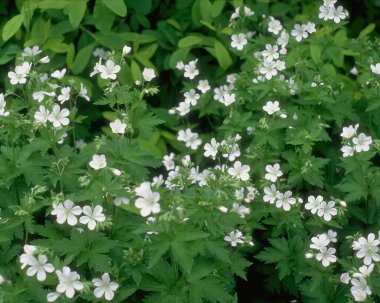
point(228, 99)
point(59, 74)
point(299, 32)
point(375, 68)
point(126, 50)
point(349, 131)
point(1, 279)
point(118, 127)
point(41, 115)
point(104, 287)
point(96, 67)
point(59, 117)
point(239, 171)
point(331, 235)
point(183, 108)
point(268, 69)
point(121, 200)
point(203, 86)
point(274, 26)
point(271, 107)
point(271, 52)
point(180, 65)
point(283, 39)
point(45, 60)
point(98, 162)
point(327, 210)
point(319, 242)
point(40, 267)
point(338, 13)
point(345, 278)
point(65, 94)
point(325, 12)
point(364, 271)
point(169, 162)
point(362, 142)
point(27, 257)
point(66, 212)
point(313, 203)
point(273, 172)
point(326, 255)
point(191, 97)
point(285, 200)
point(310, 27)
point(238, 41)
point(270, 194)
point(52, 296)
point(83, 92)
point(148, 74)
point(92, 216)
point(29, 52)
point(68, 282)
point(20, 73)
point(40, 96)
point(191, 70)
point(360, 289)
point(368, 249)
point(191, 139)
point(348, 151)
point(211, 149)
point(109, 70)
point(241, 210)
point(234, 237)
point(231, 78)
point(148, 201)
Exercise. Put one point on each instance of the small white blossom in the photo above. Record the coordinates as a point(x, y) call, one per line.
point(98, 162)
point(104, 287)
point(92, 216)
point(326, 255)
point(235, 237)
point(203, 86)
point(239, 171)
point(66, 211)
point(59, 117)
point(148, 74)
point(375, 68)
point(271, 107)
point(59, 74)
point(65, 94)
point(68, 282)
point(238, 41)
point(109, 70)
point(118, 127)
point(273, 172)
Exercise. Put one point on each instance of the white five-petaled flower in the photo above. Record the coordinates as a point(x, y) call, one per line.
point(27, 257)
point(118, 127)
point(105, 287)
point(362, 142)
point(273, 172)
point(326, 255)
point(168, 161)
point(274, 26)
point(66, 211)
point(271, 107)
point(235, 237)
point(269, 69)
point(148, 200)
point(360, 289)
point(338, 13)
point(319, 242)
point(313, 203)
point(349, 132)
point(191, 70)
point(109, 70)
point(239, 171)
point(238, 41)
point(270, 194)
point(68, 282)
point(92, 216)
point(31, 51)
point(203, 86)
point(65, 94)
point(83, 92)
point(327, 210)
point(98, 162)
point(367, 249)
point(42, 114)
point(285, 200)
point(40, 267)
point(299, 32)
point(271, 52)
point(126, 50)
point(375, 68)
point(211, 149)
point(148, 74)
point(59, 74)
point(59, 117)
point(20, 73)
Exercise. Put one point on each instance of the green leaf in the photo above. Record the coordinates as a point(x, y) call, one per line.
point(315, 52)
point(182, 255)
point(190, 41)
point(367, 30)
point(117, 6)
point(76, 10)
point(136, 71)
point(82, 58)
point(222, 55)
point(158, 250)
point(12, 26)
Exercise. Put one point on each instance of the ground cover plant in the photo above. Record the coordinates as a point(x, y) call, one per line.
point(189, 152)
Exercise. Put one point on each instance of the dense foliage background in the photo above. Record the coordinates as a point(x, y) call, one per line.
point(181, 253)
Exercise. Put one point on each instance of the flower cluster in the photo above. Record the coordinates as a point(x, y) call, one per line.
point(352, 142)
point(328, 11)
point(316, 205)
point(326, 255)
